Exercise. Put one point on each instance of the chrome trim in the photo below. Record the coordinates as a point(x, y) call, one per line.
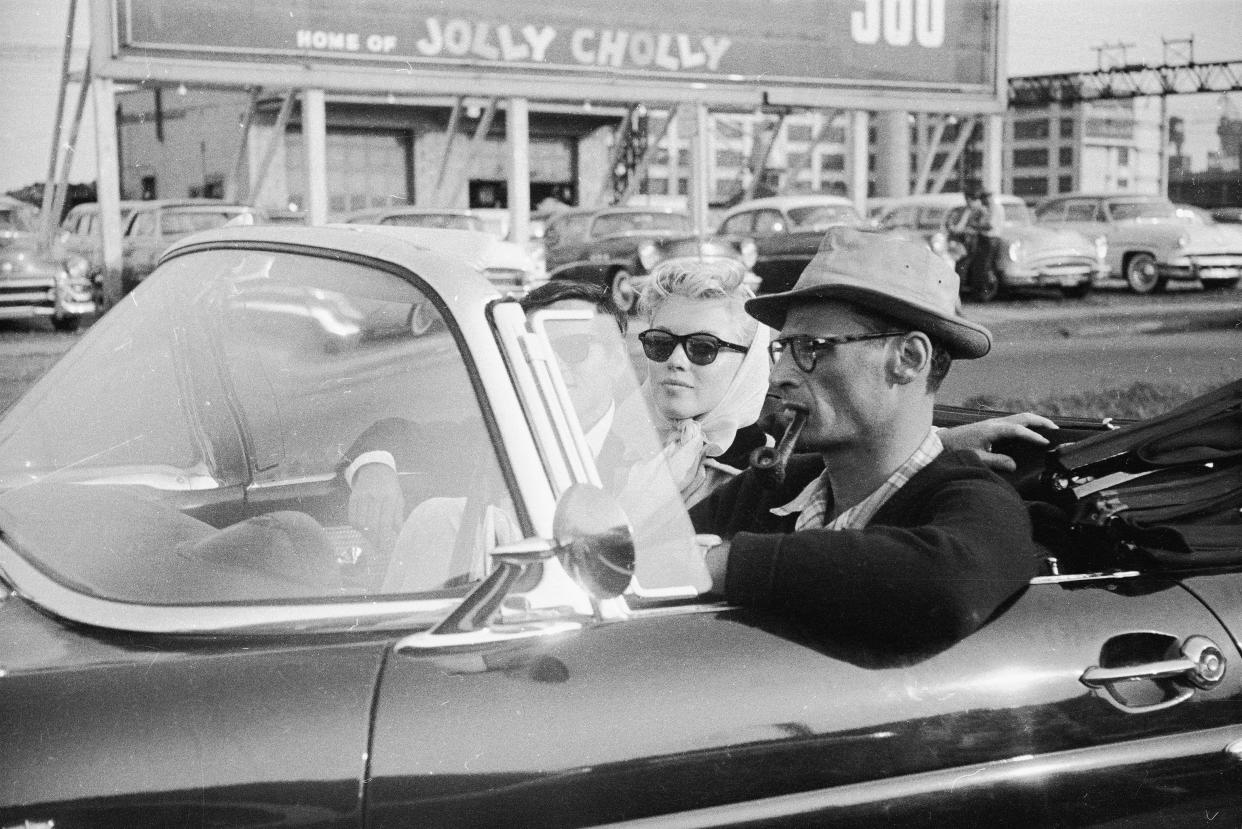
point(365, 611)
point(1020, 770)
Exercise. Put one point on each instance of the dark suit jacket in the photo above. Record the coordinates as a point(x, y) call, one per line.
point(940, 558)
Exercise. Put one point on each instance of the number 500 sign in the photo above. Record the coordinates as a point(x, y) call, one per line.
point(900, 22)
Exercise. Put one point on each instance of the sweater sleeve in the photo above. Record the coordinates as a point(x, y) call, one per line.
point(928, 570)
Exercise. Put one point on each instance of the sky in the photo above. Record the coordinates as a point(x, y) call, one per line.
point(1044, 36)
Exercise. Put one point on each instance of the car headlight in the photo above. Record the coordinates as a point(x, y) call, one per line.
point(648, 255)
point(939, 243)
point(77, 268)
point(1101, 247)
point(1183, 240)
point(1015, 250)
point(750, 253)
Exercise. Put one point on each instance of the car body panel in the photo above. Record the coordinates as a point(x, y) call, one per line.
point(592, 245)
point(787, 231)
point(1027, 255)
point(142, 682)
point(1136, 224)
point(39, 280)
point(726, 733)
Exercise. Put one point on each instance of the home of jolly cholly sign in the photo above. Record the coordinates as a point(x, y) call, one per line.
point(932, 45)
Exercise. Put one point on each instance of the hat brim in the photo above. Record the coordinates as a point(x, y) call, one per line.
point(964, 339)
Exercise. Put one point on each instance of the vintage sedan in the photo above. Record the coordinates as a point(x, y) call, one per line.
point(1149, 243)
point(786, 232)
point(38, 279)
point(192, 634)
point(154, 225)
point(1027, 256)
point(602, 245)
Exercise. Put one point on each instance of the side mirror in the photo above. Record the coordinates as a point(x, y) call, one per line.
point(593, 541)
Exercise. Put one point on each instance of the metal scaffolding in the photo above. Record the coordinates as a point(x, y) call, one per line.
point(1133, 81)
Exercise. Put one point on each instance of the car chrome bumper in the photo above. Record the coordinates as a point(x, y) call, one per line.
point(1209, 267)
point(1051, 275)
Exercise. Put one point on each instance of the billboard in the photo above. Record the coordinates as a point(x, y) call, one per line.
point(912, 46)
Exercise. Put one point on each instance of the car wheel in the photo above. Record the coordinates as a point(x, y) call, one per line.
point(1219, 284)
point(66, 322)
point(1141, 274)
point(624, 291)
point(1076, 291)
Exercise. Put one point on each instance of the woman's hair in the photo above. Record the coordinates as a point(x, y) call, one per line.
point(699, 279)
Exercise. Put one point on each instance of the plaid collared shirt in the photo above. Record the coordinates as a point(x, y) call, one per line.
point(811, 503)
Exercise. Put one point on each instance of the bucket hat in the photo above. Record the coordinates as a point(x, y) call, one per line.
point(886, 273)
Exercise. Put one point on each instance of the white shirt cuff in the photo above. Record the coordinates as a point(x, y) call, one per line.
point(376, 456)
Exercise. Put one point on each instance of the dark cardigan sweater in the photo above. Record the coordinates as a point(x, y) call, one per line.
point(948, 550)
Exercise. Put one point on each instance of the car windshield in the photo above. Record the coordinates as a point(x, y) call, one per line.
point(620, 224)
point(182, 223)
point(822, 216)
point(1016, 213)
point(218, 409)
point(205, 442)
point(1146, 209)
point(445, 221)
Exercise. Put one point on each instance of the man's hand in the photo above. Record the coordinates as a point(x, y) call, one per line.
point(376, 505)
point(979, 437)
point(717, 561)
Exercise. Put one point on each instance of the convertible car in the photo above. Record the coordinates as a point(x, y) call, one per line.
point(192, 633)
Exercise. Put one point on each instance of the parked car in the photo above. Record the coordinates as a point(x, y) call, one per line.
point(446, 218)
point(1027, 256)
point(40, 279)
point(81, 232)
point(493, 221)
point(190, 632)
point(786, 231)
point(156, 224)
point(1148, 243)
point(601, 245)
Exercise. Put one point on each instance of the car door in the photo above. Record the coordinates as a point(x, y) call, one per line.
point(1088, 217)
point(783, 254)
point(724, 717)
point(141, 248)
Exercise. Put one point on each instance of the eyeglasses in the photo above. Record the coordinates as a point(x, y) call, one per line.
point(701, 348)
point(805, 350)
point(573, 348)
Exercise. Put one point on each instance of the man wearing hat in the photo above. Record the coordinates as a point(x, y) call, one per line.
point(879, 535)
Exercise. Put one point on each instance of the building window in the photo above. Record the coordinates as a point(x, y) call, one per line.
point(1065, 184)
point(683, 158)
point(1030, 186)
point(1030, 129)
point(683, 186)
point(836, 161)
point(1067, 127)
point(1065, 156)
point(1123, 156)
point(800, 132)
point(727, 187)
point(728, 158)
point(657, 186)
point(833, 135)
point(1034, 157)
point(798, 161)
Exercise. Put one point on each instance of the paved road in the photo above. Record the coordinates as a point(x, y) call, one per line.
point(1036, 368)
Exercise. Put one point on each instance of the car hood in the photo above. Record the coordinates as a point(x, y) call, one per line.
point(1037, 237)
point(20, 256)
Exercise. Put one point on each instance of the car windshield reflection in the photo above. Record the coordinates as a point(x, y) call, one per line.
point(200, 445)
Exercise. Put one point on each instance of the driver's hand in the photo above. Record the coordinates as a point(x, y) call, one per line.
point(376, 505)
point(980, 437)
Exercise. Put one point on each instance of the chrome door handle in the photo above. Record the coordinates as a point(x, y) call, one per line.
point(1201, 665)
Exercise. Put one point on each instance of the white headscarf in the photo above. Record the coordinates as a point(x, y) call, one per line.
point(689, 441)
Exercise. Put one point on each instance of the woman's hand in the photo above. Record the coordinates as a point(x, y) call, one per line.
point(376, 504)
point(981, 436)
